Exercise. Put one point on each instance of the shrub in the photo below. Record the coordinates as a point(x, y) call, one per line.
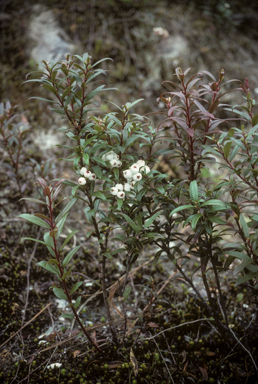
point(185, 218)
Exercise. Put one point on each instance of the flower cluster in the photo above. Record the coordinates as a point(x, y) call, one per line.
point(113, 158)
point(86, 175)
point(132, 175)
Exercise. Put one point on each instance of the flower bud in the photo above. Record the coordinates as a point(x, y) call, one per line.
point(83, 170)
point(128, 174)
point(82, 181)
point(145, 169)
point(118, 163)
point(87, 174)
point(119, 187)
point(111, 155)
point(127, 187)
point(137, 176)
point(92, 177)
point(114, 191)
point(121, 195)
point(134, 168)
point(140, 163)
point(113, 163)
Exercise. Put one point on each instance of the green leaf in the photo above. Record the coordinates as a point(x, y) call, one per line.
point(213, 202)
point(151, 219)
point(33, 200)
point(194, 191)
point(48, 267)
point(141, 193)
point(131, 223)
point(216, 219)
point(71, 234)
point(127, 291)
point(97, 171)
point(244, 226)
point(100, 195)
point(108, 255)
point(246, 278)
point(239, 255)
point(66, 209)
point(50, 88)
point(35, 220)
point(60, 226)
point(36, 240)
point(50, 243)
point(70, 255)
point(119, 203)
point(76, 286)
point(181, 208)
point(195, 220)
point(67, 316)
point(60, 293)
point(118, 251)
point(78, 302)
point(116, 173)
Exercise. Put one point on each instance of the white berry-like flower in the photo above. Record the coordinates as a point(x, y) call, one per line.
point(145, 169)
point(140, 163)
point(113, 163)
point(132, 184)
point(82, 171)
point(92, 176)
point(104, 157)
point(118, 163)
point(114, 191)
point(87, 174)
point(82, 181)
point(111, 155)
point(128, 174)
point(127, 187)
point(137, 176)
point(134, 168)
point(121, 195)
point(120, 187)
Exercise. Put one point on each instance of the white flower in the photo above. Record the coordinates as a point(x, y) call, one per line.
point(118, 163)
point(111, 155)
point(140, 163)
point(82, 181)
point(83, 170)
point(114, 191)
point(104, 157)
point(119, 187)
point(54, 365)
point(137, 176)
point(134, 168)
point(113, 163)
point(87, 174)
point(128, 174)
point(92, 176)
point(145, 169)
point(132, 184)
point(127, 187)
point(121, 195)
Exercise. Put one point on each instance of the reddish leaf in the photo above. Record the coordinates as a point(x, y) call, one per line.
point(42, 182)
point(204, 372)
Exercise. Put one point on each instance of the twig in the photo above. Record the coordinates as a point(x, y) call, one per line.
point(176, 326)
point(42, 310)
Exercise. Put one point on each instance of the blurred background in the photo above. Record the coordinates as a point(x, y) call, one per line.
point(146, 40)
